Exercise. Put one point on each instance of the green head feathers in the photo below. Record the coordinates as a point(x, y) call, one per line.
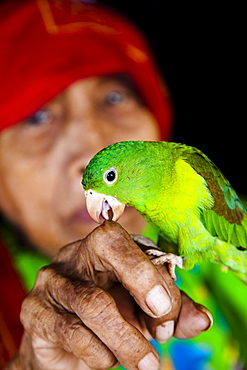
point(126, 170)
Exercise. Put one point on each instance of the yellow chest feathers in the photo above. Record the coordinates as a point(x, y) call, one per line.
point(185, 193)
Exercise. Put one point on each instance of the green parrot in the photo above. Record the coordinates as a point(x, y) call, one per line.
point(178, 190)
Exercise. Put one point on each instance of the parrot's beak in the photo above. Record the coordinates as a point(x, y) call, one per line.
point(103, 207)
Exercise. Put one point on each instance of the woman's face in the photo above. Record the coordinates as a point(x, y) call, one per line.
point(42, 159)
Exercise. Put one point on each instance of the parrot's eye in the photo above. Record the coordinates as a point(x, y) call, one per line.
point(110, 176)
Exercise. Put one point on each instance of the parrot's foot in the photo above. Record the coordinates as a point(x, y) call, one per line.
point(158, 258)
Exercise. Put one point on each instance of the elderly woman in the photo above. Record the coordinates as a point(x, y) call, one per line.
point(75, 78)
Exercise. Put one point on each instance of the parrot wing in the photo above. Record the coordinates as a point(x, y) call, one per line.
point(227, 219)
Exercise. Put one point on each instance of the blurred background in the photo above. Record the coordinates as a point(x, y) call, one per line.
point(200, 47)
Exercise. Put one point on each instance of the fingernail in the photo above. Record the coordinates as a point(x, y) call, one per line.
point(149, 362)
point(164, 332)
point(158, 301)
point(209, 316)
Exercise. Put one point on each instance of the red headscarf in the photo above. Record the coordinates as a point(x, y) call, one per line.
point(47, 45)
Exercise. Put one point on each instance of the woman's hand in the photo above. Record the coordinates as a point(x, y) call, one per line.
point(97, 305)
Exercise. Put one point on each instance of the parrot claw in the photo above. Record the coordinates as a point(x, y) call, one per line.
point(158, 258)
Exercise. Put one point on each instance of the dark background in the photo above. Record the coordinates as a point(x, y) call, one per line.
point(200, 49)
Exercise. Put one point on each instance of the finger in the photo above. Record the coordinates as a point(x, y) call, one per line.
point(47, 356)
point(193, 319)
point(112, 249)
point(99, 320)
point(162, 329)
point(58, 336)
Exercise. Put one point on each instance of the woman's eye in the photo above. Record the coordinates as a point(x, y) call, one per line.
point(115, 97)
point(41, 116)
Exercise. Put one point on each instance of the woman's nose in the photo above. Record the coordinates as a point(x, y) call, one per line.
point(86, 138)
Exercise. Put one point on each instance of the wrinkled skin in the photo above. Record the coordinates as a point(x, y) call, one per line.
point(71, 317)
